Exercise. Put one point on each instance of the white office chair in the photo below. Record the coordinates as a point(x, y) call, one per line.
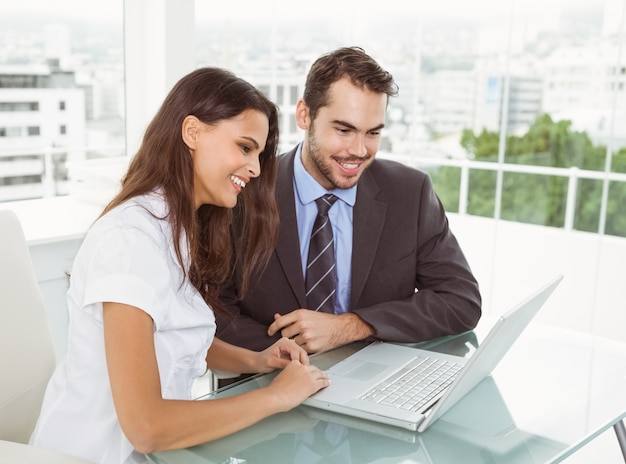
point(27, 356)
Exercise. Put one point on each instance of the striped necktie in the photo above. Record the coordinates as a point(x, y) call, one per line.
point(320, 268)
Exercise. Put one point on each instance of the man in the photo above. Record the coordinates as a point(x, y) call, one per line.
point(399, 273)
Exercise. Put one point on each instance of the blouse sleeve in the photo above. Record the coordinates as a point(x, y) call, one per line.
point(127, 263)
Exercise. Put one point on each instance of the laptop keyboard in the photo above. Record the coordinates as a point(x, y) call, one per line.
point(416, 386)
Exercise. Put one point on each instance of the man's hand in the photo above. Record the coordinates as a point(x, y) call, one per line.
point(315, 331)
point(279, 355)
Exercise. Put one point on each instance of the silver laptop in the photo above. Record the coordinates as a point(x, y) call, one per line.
point(411, 388)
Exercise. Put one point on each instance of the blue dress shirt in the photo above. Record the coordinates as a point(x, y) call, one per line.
point(307, 190)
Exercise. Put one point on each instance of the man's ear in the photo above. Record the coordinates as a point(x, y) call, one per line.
point(303, 119)
point(190, 129)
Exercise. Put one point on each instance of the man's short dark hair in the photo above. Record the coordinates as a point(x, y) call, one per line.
point(351, 62)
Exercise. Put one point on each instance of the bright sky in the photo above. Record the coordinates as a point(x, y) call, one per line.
point(107, 10)
point(334, 9)
point(260, 10)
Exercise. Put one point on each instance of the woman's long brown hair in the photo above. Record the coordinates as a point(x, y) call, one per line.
point(163, 162)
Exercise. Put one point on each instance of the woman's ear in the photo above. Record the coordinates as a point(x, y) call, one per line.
point(303, 119)
point(190, 129)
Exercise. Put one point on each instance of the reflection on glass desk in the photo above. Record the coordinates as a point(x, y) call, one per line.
point(554, 392)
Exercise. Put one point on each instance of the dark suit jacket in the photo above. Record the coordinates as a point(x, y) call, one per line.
point(410, 279)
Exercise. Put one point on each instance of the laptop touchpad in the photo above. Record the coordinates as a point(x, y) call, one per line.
point(360, 370)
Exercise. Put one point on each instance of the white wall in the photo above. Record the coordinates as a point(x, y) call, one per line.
point(511, 259)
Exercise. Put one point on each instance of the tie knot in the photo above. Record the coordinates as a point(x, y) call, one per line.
point(324, 203)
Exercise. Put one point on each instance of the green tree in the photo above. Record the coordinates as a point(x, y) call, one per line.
point(615, 217)
point(618, 163)
point(539, 199)
point(482, 147)
point(447, 184)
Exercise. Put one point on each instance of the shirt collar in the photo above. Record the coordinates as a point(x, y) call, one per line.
point(308, 189)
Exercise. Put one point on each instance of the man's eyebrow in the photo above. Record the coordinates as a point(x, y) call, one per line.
point(347, 125)
point(251, 139)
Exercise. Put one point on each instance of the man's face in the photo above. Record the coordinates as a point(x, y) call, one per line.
point(343, 139)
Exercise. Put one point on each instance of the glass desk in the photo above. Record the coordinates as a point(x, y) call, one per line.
point(554, 392)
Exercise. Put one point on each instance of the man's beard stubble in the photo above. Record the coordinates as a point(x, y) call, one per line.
point(324, 165)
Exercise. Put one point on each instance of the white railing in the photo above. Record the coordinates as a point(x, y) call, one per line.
point(573, 175)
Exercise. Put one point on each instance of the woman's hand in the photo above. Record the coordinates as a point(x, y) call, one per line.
point(298, 380)
point(296, 383)
point(279, 355)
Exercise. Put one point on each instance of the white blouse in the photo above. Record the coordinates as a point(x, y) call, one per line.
point(127, 257)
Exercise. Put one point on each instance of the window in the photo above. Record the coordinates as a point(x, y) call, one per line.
point(19, 106)
point(280, 92)
point(293, 94)
point(514, 108)
point(11, 131)
point(61, 62)
point(456, 66)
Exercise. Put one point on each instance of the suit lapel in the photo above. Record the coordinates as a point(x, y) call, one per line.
point(288, 247)
point(368, 220)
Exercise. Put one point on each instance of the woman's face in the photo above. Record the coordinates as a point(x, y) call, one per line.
point(225, 155)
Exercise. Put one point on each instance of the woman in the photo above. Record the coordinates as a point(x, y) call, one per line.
point(144, 285)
